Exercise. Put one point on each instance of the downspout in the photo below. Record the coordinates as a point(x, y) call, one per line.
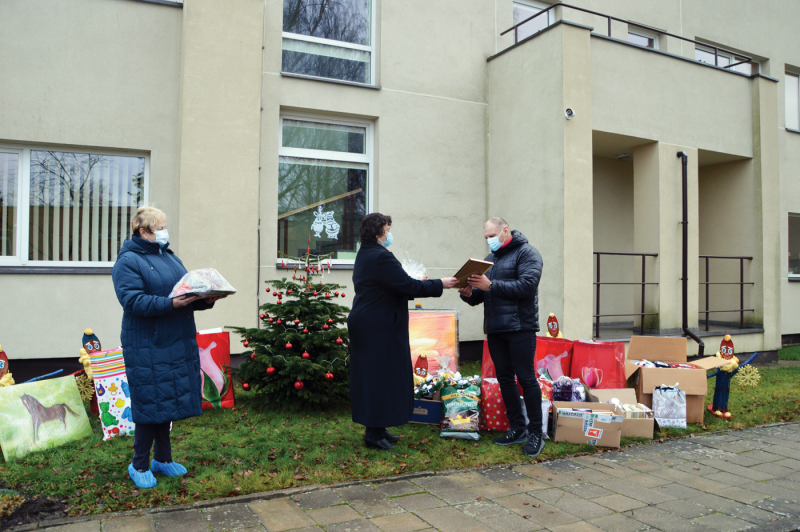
point(685, 277)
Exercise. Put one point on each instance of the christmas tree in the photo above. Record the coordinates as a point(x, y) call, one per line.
point(300, 352)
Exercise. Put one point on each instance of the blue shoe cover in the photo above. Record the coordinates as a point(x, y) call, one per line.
point(142, 480)
point(172, 469)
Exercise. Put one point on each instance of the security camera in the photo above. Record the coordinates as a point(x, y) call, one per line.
point(570, 114)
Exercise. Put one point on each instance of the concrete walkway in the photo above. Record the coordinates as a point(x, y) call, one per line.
point(734, 481)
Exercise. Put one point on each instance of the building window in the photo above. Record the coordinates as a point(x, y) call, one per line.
point(526, 9)
point(642, 37)
point(67, 208)
point(792, 83)
point(706, 55)
point(324, 187)
point(329, 39)
point(794, 245)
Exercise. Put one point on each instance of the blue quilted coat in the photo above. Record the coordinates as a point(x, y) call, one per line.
point(159, 343)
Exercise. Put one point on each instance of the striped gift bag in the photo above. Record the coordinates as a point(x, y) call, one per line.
point(112, 392)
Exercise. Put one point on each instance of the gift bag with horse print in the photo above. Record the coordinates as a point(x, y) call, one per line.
point(669, 407)
point(41, 415)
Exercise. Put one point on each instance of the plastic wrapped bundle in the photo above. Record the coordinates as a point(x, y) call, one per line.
point(566, 389)
point(205, 282)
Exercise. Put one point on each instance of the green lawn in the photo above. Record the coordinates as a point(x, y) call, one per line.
point(789, 353)
point(244, 450)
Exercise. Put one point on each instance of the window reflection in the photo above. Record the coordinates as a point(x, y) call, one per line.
point(321, 136)
point(9, 167)
point(323, 201)
point(338, 20)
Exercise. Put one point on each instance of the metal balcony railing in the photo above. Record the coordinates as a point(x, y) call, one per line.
point(643, 284)
point(609, 18)
point(741, 310)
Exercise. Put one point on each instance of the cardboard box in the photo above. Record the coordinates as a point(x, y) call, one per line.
point(577, 427)
point(631, 428)
point(428, 411)
point(691, 381)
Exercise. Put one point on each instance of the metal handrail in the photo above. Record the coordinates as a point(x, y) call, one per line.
point(609, 18)
point(741, 310)
point(643, 284)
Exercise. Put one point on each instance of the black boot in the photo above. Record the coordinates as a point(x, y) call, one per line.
point(512, 437)
point(376, 438)
point(391, 438)
point(534, 445)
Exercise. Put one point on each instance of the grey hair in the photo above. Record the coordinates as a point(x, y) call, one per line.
point(497, 222)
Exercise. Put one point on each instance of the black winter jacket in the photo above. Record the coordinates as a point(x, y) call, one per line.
point(512, 302)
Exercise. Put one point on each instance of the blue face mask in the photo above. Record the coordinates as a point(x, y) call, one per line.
point(494, 243)
point(388, 242)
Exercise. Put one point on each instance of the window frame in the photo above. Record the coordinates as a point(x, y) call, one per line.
point(732, 58)
point(785, 106)
point(541, 6)
point(23, 209)
point(794, 276)
point(647, 34)
point(338, 44)
point(304, 153)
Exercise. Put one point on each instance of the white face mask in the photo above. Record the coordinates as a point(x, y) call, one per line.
point(162, 236)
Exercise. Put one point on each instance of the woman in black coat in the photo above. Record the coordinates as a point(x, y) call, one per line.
point(381, 377)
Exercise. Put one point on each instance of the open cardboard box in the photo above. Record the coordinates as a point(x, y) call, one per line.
point(631, 427)
point(691, 381)
point(428, 411)
point(578, 427)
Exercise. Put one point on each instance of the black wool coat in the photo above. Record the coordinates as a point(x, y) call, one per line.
point(381, 376)
point(512, 302)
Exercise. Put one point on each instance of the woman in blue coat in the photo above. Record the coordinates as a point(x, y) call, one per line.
point(381, 377)
point(159, 343)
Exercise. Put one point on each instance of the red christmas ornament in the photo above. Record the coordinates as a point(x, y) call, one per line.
point(325, 327)
point(305, 331)
point(288, 291)
point(329, 376)
point(267, 289)
point(336, 294)
point(296, 321)
point(306, 355)
point(298, 385)
point(327, 295)
point(342, 294)
point(339, 341)
point(245, 343)
point(288, 346)
point(270, 370)
point(280, 302)
point(246, 387)
point(278, 322)
point(294, 277)
point(316, 293)
point(252, 356)
point(330, 320)
point(271, 320)
point(263, 316)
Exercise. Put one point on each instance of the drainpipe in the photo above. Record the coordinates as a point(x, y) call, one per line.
point(685, 278)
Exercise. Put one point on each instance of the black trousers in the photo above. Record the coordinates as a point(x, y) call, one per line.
point(146, 434)
point(512, 354)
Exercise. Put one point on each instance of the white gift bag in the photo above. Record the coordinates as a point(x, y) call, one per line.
point(669, 407)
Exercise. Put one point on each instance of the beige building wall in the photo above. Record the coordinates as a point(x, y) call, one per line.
point(612, 188)
point(80, 75)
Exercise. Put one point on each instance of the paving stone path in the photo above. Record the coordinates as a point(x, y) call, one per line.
point(733, 481)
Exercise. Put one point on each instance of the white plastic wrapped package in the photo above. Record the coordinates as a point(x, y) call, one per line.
point(669, 407)
point(205, 282)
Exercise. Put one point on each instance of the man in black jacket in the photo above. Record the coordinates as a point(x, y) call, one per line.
point(510, 297)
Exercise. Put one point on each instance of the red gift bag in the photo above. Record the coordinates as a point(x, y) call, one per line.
point(599, 364)
point(553, 357)
point(215, 373)
point(493, 409)
point(487, 366)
